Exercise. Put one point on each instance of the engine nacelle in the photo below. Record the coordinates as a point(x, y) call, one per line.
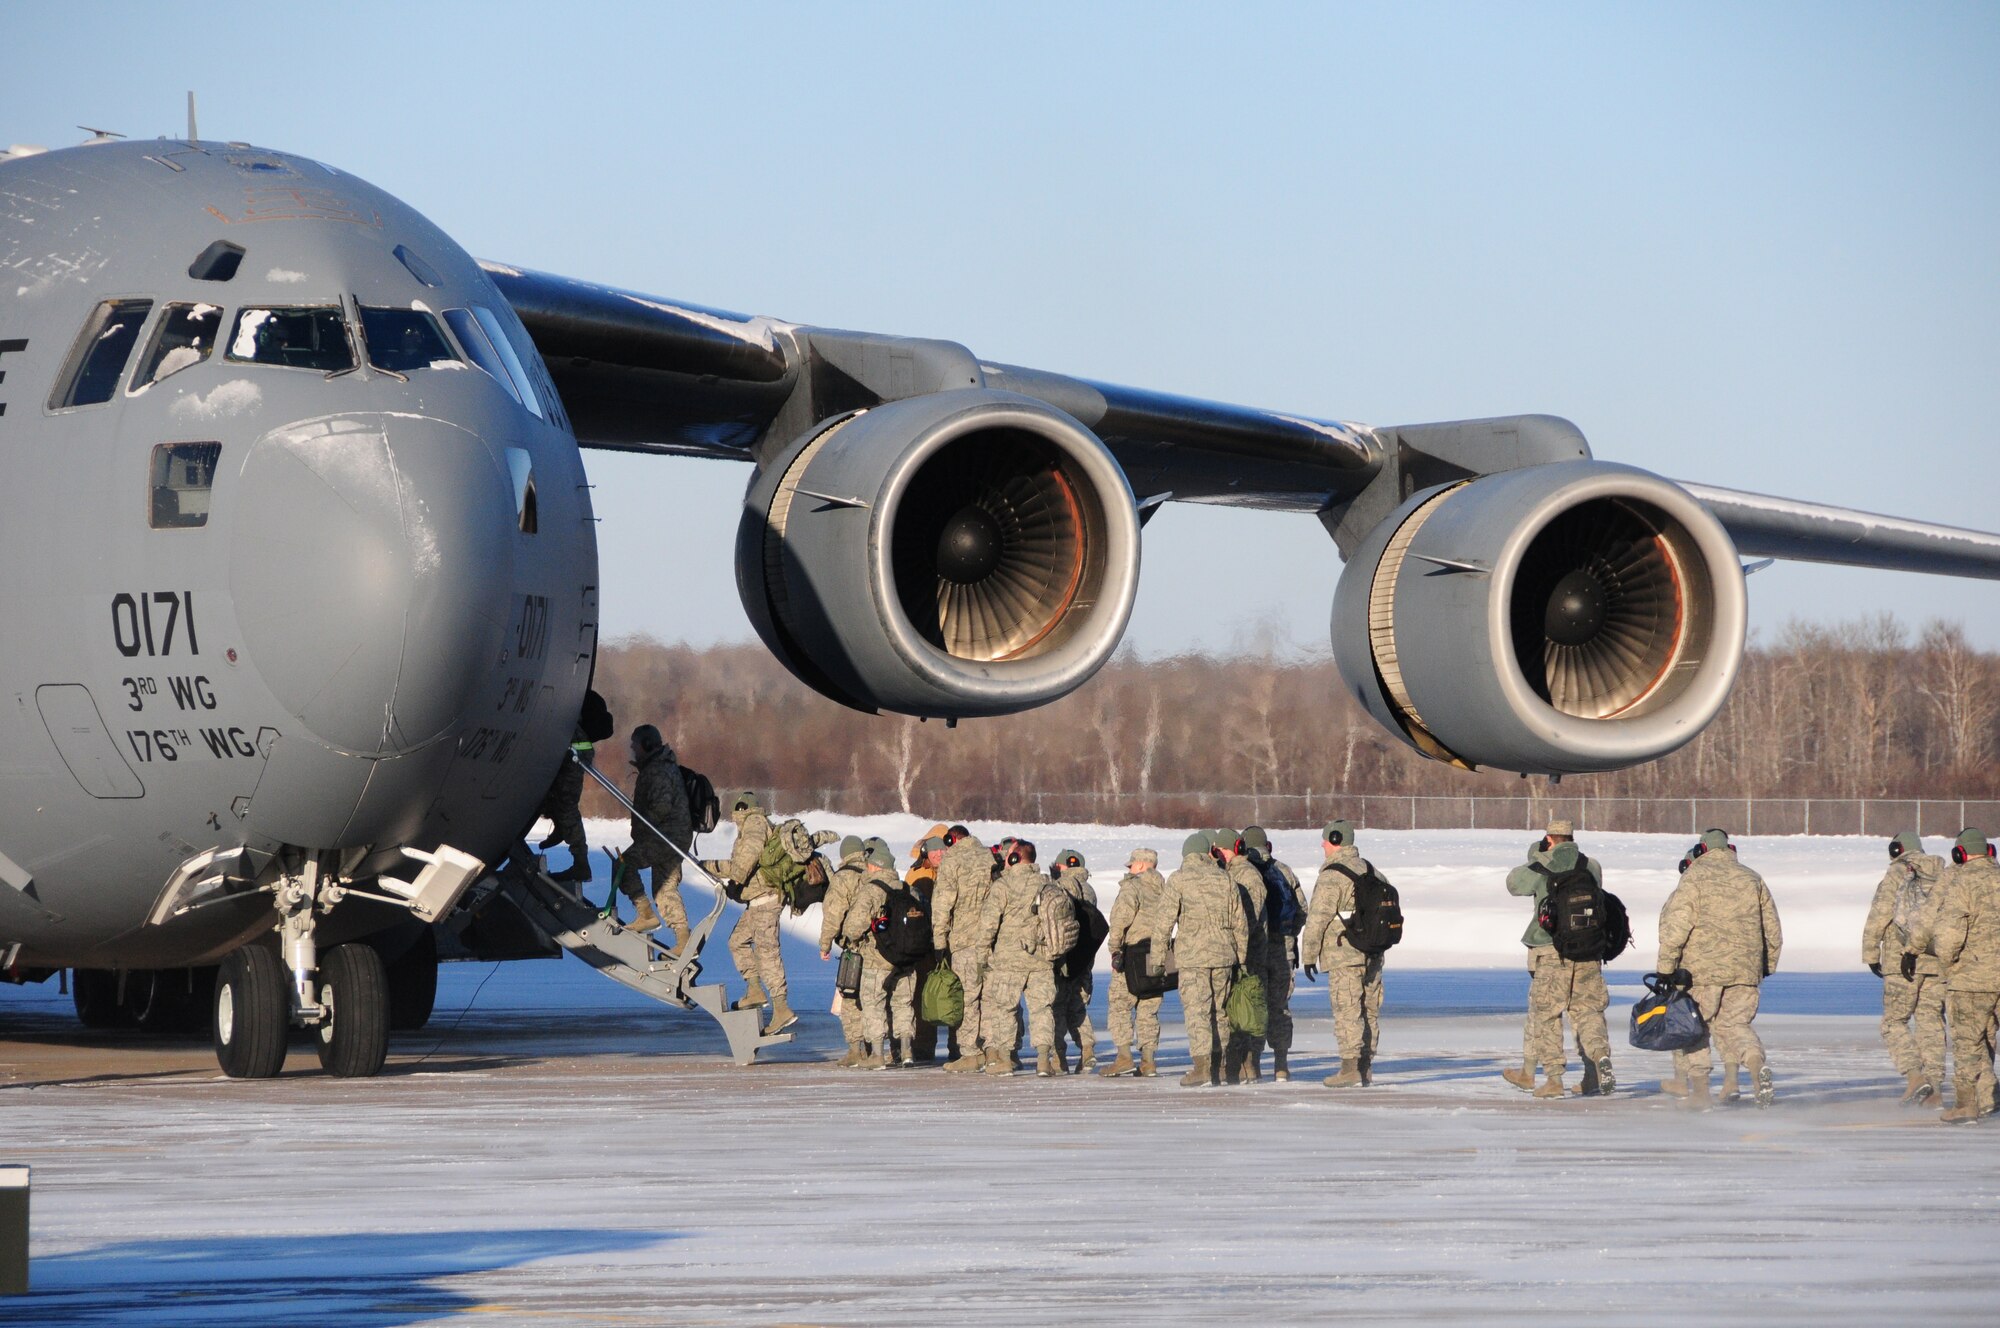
point(953, 555)
point(1571, 617)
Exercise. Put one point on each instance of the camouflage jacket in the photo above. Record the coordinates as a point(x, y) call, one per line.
point(1525, 880)
point(1201, 911)
point(1010, 926)
point(1963, 927)
point(752, 829)
point(1908, 892)
point(964, 878)
point(1323, 943)
point(661, 797)
point(871, 899)
point(1076, 881)
point(1136, 893)
point(1251, 897)
point(840, 891)
point(1720, 924)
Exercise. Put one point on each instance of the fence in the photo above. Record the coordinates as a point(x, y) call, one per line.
point(1880, 817)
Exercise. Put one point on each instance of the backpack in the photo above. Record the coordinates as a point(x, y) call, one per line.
point(1913, 896)
point(1574, 912)
point(1377, 921)
point(1141, 980)
point(1058, 913)
point(1617, 927)
point(1667, 1019)
point(1079, 959)
point(704, 808)
point(1247, 1007)
point(1281, 907)
point(941, 1000)
point(595, 722)
point(903, 928)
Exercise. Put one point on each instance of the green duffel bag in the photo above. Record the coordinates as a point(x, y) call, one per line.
point(1249, 1013)
point(941, 1000)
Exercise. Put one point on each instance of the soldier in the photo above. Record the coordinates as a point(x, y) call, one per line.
point(1559, 986)
point(563, 805)
point(1019, 964)
point(1240, 1059)
point(1719, 939)
point(840, 892)
point(660, 796)
point(964, 879)
point(1353, 979)
point(753, 941)
point(888, 993)
point(1281, 953)
point(1963, 930)
point(1135, 1022)
point(1200, 910)
point(1073, 990)
point(1906, 893)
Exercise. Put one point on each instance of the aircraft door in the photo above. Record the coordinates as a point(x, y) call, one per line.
point(85, 745)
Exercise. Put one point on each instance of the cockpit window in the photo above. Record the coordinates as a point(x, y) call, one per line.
point(185, 337)
point(479, 349)
point(297, 338)
point(404, 340)
point(100, 353)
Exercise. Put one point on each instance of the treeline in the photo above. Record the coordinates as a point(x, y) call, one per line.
point(1864, 709)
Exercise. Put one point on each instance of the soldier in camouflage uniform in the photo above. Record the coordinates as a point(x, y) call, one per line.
point(1018, 964)
point(840, 891)
point(964, 878)
point(1963, 931)
point(1239, 1059)
point(563, 805)
point(1353, 979)
point(1912, 1007)
point(921, 877)
point(1281, 955)
point(1719, 939)
point(888, 993)
point(1200, 911)
point(660, 796)
point(1135, 1023)
point(753, 941)
point(1559, 986)
point(1073, 990)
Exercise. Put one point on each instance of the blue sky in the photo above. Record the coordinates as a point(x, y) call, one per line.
point(1748, 245)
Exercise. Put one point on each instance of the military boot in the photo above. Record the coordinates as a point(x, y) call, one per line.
point(1551, 1085)
point(1149, 1064)
point(753, 994)
point(643, 918)
point(1767, 1089)
point(1966, 1110)
point(1920, 1090)
point(884, 1058)
point(995, 1061)
point(968, 1061)
point(1123, 1065)
point(1060, 1056)
point(1697, 1098)
point(1253, 1067)
point(782, 1017)
point(1048, 1065)
point(1674, 1087)
point(1523, 1078)
point(853, 1056)
point(1088, 1065)
point(1280, 1071)
point(906, 1054)
point(1198, 1074)
point(575, 874)
point(1349, 1076)
point(1731, 1087)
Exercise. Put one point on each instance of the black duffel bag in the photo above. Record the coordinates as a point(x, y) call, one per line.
point(1140, 977)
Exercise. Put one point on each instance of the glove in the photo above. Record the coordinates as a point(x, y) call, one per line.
point(1312, 973)
point(1876, 969)
point(1117, 961)
point(1909, 967)
point(1681, 980)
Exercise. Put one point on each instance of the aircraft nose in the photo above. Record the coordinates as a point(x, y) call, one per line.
point(370, 568)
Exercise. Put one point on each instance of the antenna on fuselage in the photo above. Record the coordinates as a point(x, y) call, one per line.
point(194, 134)
point(99, 135)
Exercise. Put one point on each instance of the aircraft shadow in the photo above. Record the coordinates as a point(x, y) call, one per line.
point(367, 1279)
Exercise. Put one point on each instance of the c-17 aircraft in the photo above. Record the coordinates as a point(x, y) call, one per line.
point(298, 568)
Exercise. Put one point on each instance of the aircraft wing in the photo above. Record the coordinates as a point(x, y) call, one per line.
point(647, 374)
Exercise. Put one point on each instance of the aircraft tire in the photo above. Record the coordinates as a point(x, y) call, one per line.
point(95, 991)
point(153, 998)
point(413, 984)
point(354, 990)
point(253, 1013)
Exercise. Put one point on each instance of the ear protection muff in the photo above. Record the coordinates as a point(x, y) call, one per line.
point(1957, 854)
point(1547, 843)
point(1014, 858)
point(1698, 850)
point(1895, 848)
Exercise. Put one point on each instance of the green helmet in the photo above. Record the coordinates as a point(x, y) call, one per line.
point(1714, 839)
point(1339, 833)
point(1971, 843)
point(1254, 837)
point(852, 846)
point(1196, 845)
point(1907, 842)
point(880, 856)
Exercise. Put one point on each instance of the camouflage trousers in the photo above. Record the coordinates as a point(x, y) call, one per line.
point(1277, 975)
point(1913, 1024)
point(1728, 1012)
point(972, 977)
point(1973, 1016)
point(1002, 999)
point(1135, 1023)
point(1556, 987)
point(753, 944)
point(888, 1003)
point(852, 1027)
point(563, 804)
point(1073, 1015)
point(1204, 994)
point(1356, 993)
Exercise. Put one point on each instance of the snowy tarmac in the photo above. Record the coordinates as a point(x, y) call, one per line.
point(554, 1148)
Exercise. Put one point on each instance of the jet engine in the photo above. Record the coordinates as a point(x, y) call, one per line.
point(958, 554)
point(1570, 617)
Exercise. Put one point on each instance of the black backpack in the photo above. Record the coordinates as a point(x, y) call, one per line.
point(704, 808)
point(1377, 922)
point(1576, 913)
point(1090, 933)
point(1617, 927)
point(1282, 914)
point(903, 930)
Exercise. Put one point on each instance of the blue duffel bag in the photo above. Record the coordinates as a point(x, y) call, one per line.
point(1666, 1018)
